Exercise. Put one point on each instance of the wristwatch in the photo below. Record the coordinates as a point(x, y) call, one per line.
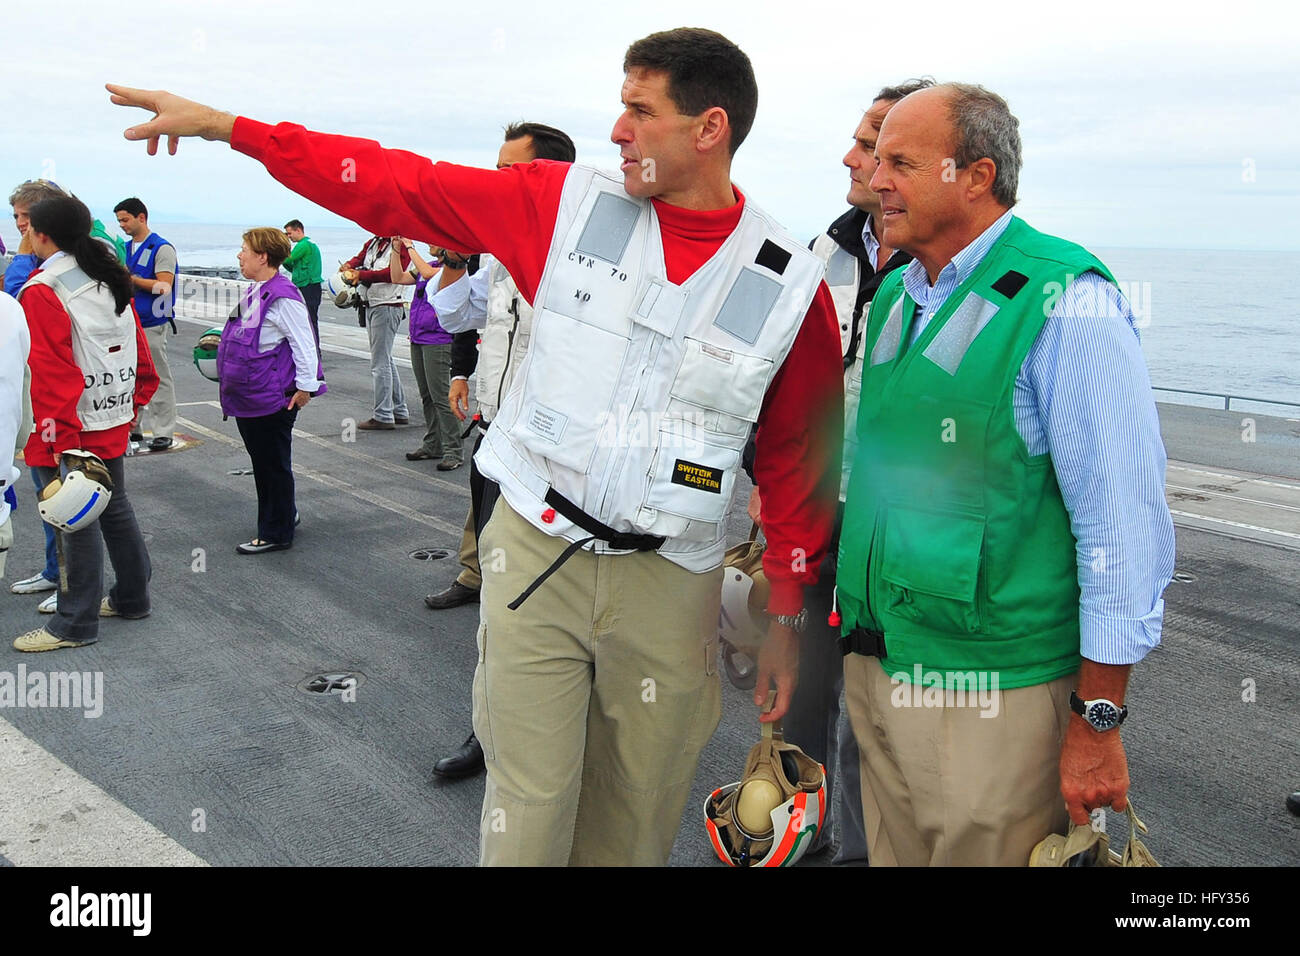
point(1101, 714)
point(795, 622)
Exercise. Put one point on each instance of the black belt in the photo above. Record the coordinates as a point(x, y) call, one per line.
point(596, 530)
point(863, 641)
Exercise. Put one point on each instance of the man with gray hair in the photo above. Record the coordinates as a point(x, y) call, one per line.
point(1005, 515)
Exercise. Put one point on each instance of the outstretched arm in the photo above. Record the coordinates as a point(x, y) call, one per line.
point(174, 117)
point(387, 192)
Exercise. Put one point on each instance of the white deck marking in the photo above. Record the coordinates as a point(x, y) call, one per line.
point(50, 815)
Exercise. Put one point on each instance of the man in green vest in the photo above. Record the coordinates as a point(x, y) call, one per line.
point(1006, 540)
point(305, 269)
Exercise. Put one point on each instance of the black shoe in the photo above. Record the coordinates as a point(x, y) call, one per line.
point(454, 596)
point(160, 444)
point(1293, 803)
point(137, 436)
point(258, 546)
point(465, 762)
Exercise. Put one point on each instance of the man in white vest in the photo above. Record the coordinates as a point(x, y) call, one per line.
point(384, 310)
point(670, 316)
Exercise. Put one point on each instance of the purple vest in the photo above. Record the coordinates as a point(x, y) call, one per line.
point(425, 329)
point(253, 384)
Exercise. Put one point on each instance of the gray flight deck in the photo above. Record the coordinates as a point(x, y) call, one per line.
point(205, 719)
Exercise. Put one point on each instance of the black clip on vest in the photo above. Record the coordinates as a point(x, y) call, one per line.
point(596, 530)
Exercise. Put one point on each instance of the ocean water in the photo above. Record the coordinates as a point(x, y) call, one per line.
point(1212, 321)
point(1215, 321)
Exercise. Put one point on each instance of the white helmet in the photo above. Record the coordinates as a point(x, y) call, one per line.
point(343, 293)
point(773, 813)
point(742, 622)
point(76, 501)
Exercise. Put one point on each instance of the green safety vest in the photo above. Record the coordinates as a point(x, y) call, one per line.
point(956, 543)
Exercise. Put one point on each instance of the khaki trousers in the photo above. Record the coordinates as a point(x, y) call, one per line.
point(469, 575)
point(592, 701)
point(945, 786)
point(159, 416)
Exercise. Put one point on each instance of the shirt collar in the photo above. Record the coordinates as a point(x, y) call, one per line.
point(871, 243)
point(53, 259)
point(917, 281)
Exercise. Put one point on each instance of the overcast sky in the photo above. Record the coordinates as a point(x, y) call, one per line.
point(1140, 127)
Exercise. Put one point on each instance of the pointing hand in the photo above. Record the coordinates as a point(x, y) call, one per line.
point(174, 117)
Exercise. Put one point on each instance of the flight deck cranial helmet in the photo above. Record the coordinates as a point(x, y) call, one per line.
point(742, 623)
point(773, 813)
point(205, 354)
point(73, 502)
point(344, 295)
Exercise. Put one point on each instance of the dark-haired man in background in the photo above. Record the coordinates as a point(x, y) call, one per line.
point(151, 260)
point(304, 267)
point(856, 263)
point(670, 315)
point(488, 302)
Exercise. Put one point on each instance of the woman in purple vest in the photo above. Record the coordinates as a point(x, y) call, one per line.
point(268, 367)
point(431, 360)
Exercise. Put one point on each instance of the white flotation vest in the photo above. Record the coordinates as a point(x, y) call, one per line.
point(379, 293)
point(636, 396)
point(103, 344)
point(504, 340)
point(843, 272)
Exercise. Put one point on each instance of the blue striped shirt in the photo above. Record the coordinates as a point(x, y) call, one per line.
point(1083, 395)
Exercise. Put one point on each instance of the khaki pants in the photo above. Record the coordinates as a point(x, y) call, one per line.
point(159, 416)
point(469, 576)
point(945, 786)
point(592, 701)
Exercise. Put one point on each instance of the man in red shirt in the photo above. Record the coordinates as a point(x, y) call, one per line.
point(670, 315)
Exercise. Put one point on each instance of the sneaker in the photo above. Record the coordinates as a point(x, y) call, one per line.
point(370, 425)
point(421, 454)
point(43, 640)
point(34, 585)
point(452, 465)
point(50, 604)
point(106, 609)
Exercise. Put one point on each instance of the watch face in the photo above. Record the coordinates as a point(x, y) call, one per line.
point(1103, 715)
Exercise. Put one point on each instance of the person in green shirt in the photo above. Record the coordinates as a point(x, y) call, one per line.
point(304, 267)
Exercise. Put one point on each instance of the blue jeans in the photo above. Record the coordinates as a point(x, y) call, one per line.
point(51, 572)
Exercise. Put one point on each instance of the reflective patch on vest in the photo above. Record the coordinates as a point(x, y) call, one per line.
point(609, 228)
point(747, 305)
point(954, 339)
point(842, 268)
point(886, 347)
point(701, 477)
point(73, 281)
point(547, 422)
